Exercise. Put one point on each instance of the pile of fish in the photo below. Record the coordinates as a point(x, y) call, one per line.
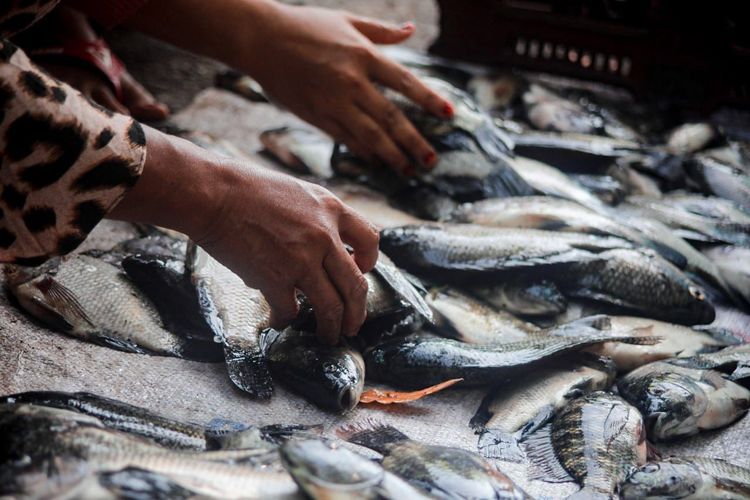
point(583, 263)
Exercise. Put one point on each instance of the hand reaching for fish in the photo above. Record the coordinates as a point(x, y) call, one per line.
point(278, 233)
point(321, 64)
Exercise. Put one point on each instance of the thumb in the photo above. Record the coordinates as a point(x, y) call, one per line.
point(381, 31)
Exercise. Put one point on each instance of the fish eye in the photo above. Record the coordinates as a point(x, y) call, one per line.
point(697, 292)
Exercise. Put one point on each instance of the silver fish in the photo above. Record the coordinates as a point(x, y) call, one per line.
point(91, 299)
point(240, 84)
point(734, 264)
point(719, 179)
point(690, 137)
point(688, 478)
point(680, 401)
point(524, 297)
point(512, 411)
point(733, 360)
point(303, 150)
point(372, 205)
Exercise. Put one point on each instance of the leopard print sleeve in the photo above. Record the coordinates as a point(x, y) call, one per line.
point(65, 162)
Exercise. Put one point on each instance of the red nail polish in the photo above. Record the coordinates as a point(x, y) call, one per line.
point(448, 110)
point(429, 159)
point(408, 26)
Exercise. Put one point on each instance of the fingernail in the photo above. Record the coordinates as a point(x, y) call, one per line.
point(408, 26)
point(428, 160)
point(448, 110)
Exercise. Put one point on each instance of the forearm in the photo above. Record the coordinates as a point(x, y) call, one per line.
point(226, 30)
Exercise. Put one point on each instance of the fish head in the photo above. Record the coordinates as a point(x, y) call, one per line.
point(673, 403)
point(662, 480)
point(326, 470)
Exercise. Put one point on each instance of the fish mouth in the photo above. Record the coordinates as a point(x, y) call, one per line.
point(347, 398)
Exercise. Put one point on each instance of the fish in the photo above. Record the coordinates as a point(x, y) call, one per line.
point(733, 360)
point(303, 150)
point(690, 137)
point(699, 219)
point(679, 401)
point(217, 145)
point(324, 471)
point(597, 440)
point(719, 179)
point(425, 202)
point(688, 478)
point(467, 252)
point(466, 319)
point(243, 313)
point(524, 297)
point(545, 110)
point(641, 281)
point(550, 181)
point(607, 188)
point(416, 360)
point(372, 205)
point(676, 341)
point(512, 411)
point(241, 84)
point(438, 471)
point(91, 299)
point(734, 265)
point(119, 416)
point(37, 433)
point(331, 377)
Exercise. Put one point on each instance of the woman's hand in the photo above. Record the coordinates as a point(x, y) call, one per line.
point(278, 233)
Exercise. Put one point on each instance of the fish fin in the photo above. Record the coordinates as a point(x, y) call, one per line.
point(404, 287)
point(501, 445)
point(741, 373)
point(653, 340)
point(483, 414)
point(545, 416)
point(279, 433)
point(221, 426)
point(132, 482)
point(600, 322)
point(544, 464)
point(505, 181)
point(669, 254)
point(731, 487)
point(61, 303)
point(120, 344)
point(493, 142)
point(719, 334)
point(371, 434)
point(590, 493)
point(249, 371)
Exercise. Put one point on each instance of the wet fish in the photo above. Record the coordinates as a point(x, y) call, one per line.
point(242, 313)
point(550, 181)
point(373, 205)
point(91, 299)
point(240, 84)
point(303, 150)
point(331, 377)
point(416, 361)
point(548, 111)
point(462, 252)
point(597, 440)
point(524, 297)
point(638, 281)
point(691, 478)
point(734, 264)
point(325, 471)
point(679, 401)
point(676, 340)
point(608, 189)
point(690, 137)
point(512, 411)
point(719, 179)
point(733, 360)
point(438, 471)
point(466, 319)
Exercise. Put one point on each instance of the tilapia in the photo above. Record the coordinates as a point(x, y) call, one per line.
point(524, 297)
point(303, 150)
point(240, 84)
point(332, 377)
point(469, 320)
point(734, 264)
point(733, 360)
point(325, 471)
point(463, 252)
point(512, 411)
point(675, 340)
point(690, 137)
point(597, 440)
point(438, 471)
point(679, 401)
point(416, 361)
point(119, 416)
point(719, 179)
point(689, 478)
point(550, 181)
point(91, 299)
point(693, 218)
point(243, 313)
point(638, 281)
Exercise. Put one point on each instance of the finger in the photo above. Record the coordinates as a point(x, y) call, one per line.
point(382, 32)
point(141, 103)
point(365, 130)
point(401, 130)
point(352, 288)
point(284, 306)
point(327, 304)
point(362, 237)
point(403, 81)
point(105, 97)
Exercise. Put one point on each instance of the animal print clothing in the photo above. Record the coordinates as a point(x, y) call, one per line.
point(64, 161)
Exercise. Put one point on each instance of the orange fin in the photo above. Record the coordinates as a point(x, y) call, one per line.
point(388, 397)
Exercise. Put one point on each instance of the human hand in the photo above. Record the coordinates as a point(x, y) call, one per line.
point(323, 65)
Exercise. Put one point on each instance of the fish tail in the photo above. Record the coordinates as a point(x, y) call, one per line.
point(371, 434)
point(249, 371)
point(506, 182)
point(501, 445)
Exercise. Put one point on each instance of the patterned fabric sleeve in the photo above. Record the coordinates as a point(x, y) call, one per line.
point(64, 163)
